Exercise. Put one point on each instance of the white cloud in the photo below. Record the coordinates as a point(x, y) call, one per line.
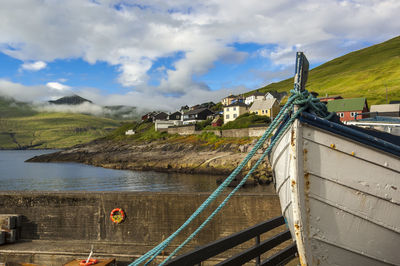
point(58, 86)
point(34, 66)
point(133, 36)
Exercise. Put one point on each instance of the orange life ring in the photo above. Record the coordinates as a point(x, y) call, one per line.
point(90, 262)
point(117, 218)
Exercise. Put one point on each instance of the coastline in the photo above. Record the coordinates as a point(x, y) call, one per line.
point(161, 156)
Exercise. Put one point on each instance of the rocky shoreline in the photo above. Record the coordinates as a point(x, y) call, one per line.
point(162, 156)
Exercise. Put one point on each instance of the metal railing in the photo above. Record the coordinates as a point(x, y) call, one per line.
point(217, 247)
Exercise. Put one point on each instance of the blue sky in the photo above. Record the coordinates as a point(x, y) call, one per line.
point(163, 54)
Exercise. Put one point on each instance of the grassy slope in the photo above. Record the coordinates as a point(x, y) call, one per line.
point(52, 130)
point(363, 73)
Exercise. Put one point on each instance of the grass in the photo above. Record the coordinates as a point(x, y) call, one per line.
point(246, 120)
point(52, 130)
point(363, 73)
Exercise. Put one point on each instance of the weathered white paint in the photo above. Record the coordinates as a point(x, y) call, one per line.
point(343, 196)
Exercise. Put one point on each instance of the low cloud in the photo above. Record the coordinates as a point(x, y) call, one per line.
point(84, 108)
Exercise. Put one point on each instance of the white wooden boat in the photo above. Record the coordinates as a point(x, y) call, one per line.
point(339, 190)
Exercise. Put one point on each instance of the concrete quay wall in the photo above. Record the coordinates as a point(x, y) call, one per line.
point(150, 217)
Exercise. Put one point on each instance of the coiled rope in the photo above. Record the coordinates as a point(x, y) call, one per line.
point(306, 102)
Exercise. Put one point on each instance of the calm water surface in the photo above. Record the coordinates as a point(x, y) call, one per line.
point(15, 174)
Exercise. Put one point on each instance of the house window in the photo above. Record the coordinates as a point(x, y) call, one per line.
point(227, 117)
point(234, 115)
point(353, 114)
point(227, 109)
point(256, 112)
point(341, 114)
point(262, 111)
point(234, 108)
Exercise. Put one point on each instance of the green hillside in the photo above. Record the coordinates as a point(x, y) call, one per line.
point(363, 73)
point(51, 130)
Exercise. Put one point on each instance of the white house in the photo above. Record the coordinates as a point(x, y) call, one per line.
point(130, 132)
point(160, 125)
point(255, 96)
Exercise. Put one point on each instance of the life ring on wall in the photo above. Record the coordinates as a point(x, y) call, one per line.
point(117, 215)
point(90, 262)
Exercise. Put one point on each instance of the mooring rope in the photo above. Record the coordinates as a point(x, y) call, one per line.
point(306, 102)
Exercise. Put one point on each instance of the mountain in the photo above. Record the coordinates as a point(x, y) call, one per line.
point(368, 72)
point(70, 100)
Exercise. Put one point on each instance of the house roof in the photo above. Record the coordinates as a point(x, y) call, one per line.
point(237, 104)
point(277, 95)
point(199, 110)
point(351, 104)
point(177, 112)
point(257, 93)
point(385, 108)
point(215, 120)
point(263, 104)
point(330, 97)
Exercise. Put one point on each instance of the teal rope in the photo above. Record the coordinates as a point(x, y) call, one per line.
point(156, 250)
point(209, 218)
point(304, 99)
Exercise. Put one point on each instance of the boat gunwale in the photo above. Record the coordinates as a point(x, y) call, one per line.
point(350, 133)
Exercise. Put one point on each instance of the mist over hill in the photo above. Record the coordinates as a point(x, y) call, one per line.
point(75, 104)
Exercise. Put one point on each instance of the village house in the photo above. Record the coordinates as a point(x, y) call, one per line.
point(153, 116)
point(175, 116)
point(160, 116)
point(130, 132)
point(277, 95)
point(265, 107)
point(349, 109)
point(255, 96)
point(228, 100)
point(163, 125)
point(194, 116)
point(232, 111)
point(217, 121)
point(392, 110)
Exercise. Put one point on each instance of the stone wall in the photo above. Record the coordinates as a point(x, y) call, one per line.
point(227, 133)
point(182, 130)
point(235, 133)
point(257, 131)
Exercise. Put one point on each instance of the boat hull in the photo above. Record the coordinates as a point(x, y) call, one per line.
point(340, 197)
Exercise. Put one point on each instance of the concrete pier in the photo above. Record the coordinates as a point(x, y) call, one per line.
point(58, 227)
